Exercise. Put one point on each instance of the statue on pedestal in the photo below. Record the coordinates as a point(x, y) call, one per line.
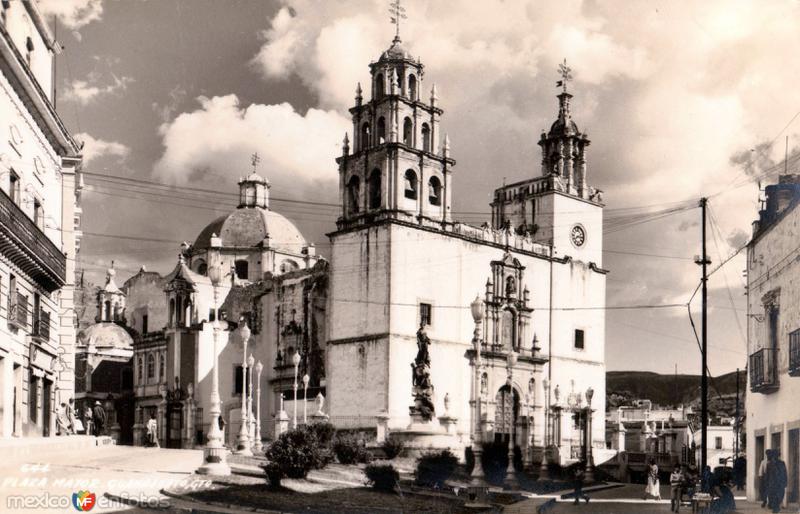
point(421, 378)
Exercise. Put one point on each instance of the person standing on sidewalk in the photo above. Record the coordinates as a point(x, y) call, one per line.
point(762, 478)
point(578, 478)
point(675, 485)
point(776, 481)
point(653, 486)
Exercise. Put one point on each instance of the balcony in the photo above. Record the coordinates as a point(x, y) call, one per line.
point(28, 247)
point(763, 371)
point(794, 353)
point(18, 310)
point(41, 326)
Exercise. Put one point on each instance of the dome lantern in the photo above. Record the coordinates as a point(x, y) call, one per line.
point(254, 189)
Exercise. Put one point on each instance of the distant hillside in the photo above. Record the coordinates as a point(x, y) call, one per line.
point(622, 386)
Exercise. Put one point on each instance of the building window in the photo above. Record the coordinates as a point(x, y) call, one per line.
point(364, 136)
point(380, 86)
point(241, 269)
point(139, 369)
point(353, 192)
point(144, 323)
point(579, 339)
point(411, 185)
point(412, 87)
point(171, 311)
point(408, 137)
point(426, 137)
point(717, 443)
point(151, 366)
point(162, 367)
point(14, 186)
point(381, 130)
point(237, 380)
point(435, 191)
point(375, 189)
point(425, 314)
point(38, 213)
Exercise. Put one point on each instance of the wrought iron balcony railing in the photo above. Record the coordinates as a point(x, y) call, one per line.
point(22, 242)
point(763, 371)
point(794, 353)
point(18, 310)
point(41, 326)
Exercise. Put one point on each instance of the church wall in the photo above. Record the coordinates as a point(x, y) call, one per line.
point(144, 294)
point(358, 381)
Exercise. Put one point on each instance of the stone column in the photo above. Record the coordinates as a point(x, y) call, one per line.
point(138, 427)
point(383, 427)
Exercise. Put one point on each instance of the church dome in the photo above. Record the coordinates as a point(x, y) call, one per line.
point(248, 227)
point(106, 335)
point(559, 128)
point(396, 51)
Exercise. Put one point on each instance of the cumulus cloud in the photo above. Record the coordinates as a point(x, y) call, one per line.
point(74, 14)
point(95, 148)
point(221, 134)
point(86, 91)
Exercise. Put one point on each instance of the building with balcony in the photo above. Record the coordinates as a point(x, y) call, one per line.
point(773, 333)
point(39, 236)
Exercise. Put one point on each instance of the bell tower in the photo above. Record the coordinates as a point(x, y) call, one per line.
point(396, 166)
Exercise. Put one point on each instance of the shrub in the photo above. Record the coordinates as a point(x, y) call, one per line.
point(294, 454)
point(392, 447)
point(349, 449)
point(274, 474)
point(435, 468)
point(324, 432)
point(382, 477)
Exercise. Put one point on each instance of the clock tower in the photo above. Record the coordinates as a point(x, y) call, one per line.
point(559, 208)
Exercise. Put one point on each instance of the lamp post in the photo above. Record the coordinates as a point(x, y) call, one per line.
point(258, 446)
point(511, 473)
point(243, 443)
point(214, 451)
point(306, 379)
point(476, 308)
point(296, 362)
point(251, 422)
point(589, 473)
point(544, 473)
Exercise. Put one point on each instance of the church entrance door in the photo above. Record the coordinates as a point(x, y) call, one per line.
point(505, 417)
point(174, 424)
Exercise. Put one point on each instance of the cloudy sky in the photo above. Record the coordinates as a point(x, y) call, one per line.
point(681, 100)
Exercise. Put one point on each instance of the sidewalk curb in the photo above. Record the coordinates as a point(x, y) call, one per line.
point(189, 499)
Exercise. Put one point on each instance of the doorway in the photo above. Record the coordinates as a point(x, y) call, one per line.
point(47, 391)
point(505, 417)
point(174, 424)
point(792, 492)
point(759, 458)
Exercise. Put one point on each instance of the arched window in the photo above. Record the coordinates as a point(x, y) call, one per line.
point(139, 369)
point(364, 136)
point(411, 184)
point(399, 82)
point(241, 269)
point(151, 366)
point(201, 267)
point(375, 189)
point(107, 316)
point(508, 330)
point(426, 137)
point(412, 87)
point(435, 191)
point(179, 311)
point(408, 138)
point(380, 86)
point(171, 311)
point(381, 130)
point(353, 193)
point(162, 367)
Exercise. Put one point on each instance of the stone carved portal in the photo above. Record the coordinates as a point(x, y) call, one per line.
point(505, 414)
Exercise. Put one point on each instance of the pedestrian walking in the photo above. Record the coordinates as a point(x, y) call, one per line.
point(70, 412)
point(152, 431)
point(99, 416)
point(653, 486)
point(776, 481)
point(739, 471)
point(762, 478)
point(578, 479)
point(88, 422)
point(62, 422)
point(675, 488)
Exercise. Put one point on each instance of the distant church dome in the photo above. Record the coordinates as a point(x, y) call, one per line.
point(248, 227)
point(396, 51)
point(559, 128)
point(106, 336)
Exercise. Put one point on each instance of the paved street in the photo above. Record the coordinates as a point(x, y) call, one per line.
point(123, 471)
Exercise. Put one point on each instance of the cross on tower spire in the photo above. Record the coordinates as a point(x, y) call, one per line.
point(398, 12)
point(254, 160)
point(566, 75)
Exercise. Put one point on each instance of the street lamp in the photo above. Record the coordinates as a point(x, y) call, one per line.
point(251, 423)
point(589, 473)
point(306, 379)
point(511, 473)
point(243, 442)
point(214, 451)
point(296, 362)
point(544, 473)
point(478, 488)
point(258, 445)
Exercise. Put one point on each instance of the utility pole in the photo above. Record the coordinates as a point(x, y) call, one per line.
point(704, 336)
point(736, 423)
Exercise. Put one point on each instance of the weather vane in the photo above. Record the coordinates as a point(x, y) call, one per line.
point(254, 160)
point(566, 75)
point(398, 12)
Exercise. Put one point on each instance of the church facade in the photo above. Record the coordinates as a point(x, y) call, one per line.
point(400, 262)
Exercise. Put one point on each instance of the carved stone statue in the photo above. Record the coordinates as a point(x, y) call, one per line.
point(421, 378)
point(320, 403)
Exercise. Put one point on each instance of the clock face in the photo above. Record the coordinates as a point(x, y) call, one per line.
point(578, 235)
